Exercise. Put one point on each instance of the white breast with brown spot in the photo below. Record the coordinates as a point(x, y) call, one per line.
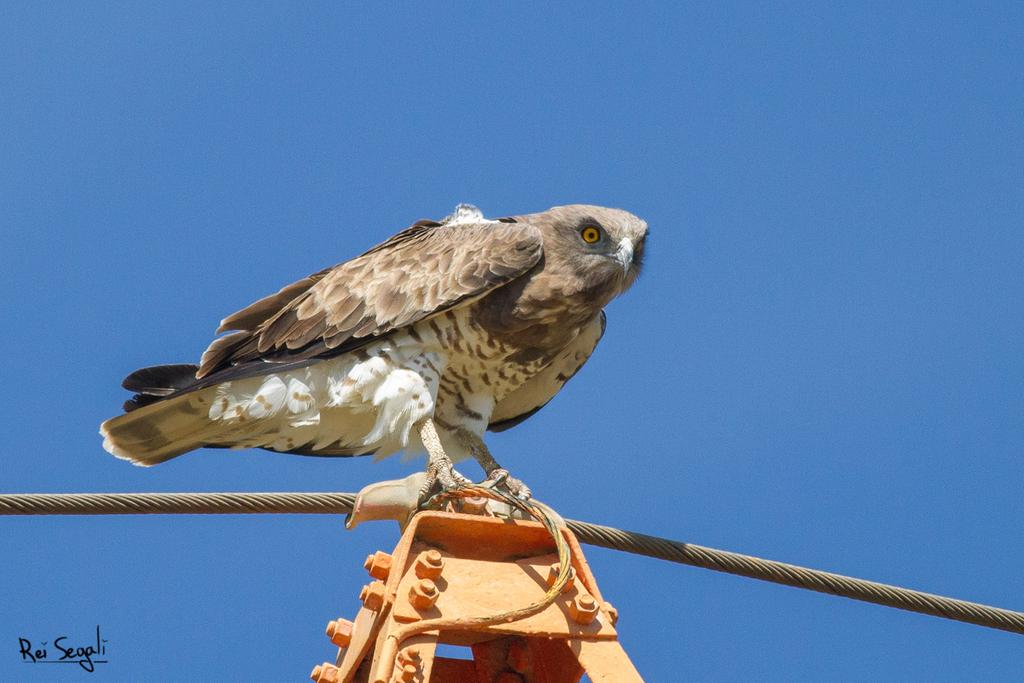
point(478, 374)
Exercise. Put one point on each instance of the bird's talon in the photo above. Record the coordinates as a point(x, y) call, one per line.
point(500, 478)
point(442, 477)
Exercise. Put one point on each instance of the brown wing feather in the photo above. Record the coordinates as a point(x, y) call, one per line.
point(419, 272)
point(255, 313)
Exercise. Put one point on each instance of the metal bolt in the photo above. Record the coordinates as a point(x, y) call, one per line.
point(325, 673)
point(409, 655)
point(553, 576)
point(372, 596)
point(613, 613)
point(583, 609)
point(407, 673)
point(423, 594)
point(340, 632)
point(378, 565)
point(429, 564)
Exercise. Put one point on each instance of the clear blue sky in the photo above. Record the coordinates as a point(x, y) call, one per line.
point(822, 364)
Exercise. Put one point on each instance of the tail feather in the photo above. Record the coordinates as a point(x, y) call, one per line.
point(154, 383)
point(161, 430)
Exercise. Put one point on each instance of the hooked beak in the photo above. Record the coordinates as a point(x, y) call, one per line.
point(624, 254)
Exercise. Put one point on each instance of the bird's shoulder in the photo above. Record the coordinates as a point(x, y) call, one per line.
point(421, 271)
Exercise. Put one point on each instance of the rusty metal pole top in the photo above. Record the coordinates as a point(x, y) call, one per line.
point(443, 583)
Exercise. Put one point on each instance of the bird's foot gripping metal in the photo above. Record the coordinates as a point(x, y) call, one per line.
point(499, 478)
point(442, 475)
point(400, 499)
point(441, 472)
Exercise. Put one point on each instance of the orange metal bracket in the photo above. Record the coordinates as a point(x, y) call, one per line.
point(451, 569)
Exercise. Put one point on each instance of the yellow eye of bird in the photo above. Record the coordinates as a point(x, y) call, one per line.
point(590, 234)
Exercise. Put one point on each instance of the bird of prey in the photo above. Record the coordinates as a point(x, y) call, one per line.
point(424, 342)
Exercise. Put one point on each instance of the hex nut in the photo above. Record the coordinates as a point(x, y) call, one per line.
point(340, 632)
point(325, 673)
point(553, 576)
point(372, 596)
point(378, 565)
point(583, 609)
point(423, 594)
point(429, 564)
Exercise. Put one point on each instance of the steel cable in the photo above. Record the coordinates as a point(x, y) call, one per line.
point(174, 503)
point(798, 577)
point(592, 534)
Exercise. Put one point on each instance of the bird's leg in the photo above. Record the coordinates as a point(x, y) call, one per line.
point(440, 469)
point(496, 474)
